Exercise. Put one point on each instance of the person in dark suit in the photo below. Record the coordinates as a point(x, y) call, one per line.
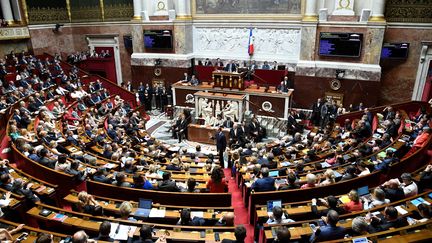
point(239, 233)
point(228, 123)
point(265, 183)
point(330, 231)
point(20, 188)
point(146, 235)
point(316, 112)
point(220, 143)
point(167, 184)
point(219, 63)
point(79, 176)
point(208, 62)
point(390, 219)
point(230, 67)
point(104, 231)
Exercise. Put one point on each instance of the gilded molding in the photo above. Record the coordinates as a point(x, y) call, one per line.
point(14, 33)
point(24, 8)
point(68, 7)
point(408, 11)
point(102, 9)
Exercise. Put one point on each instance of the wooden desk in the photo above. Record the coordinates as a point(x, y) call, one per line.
point(200, 133)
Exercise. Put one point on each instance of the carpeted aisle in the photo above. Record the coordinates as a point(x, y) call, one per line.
point(241, 213)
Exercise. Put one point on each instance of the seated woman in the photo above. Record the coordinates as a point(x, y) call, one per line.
point(329, 178)
point(87, 204)
point(354, 205)
point(311, 181)
point(217, 183)
point(125, 211)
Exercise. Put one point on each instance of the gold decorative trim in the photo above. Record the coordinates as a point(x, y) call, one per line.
point(310, 18)
point(184, 17)
point(68, 7)
point(102, 8)
point(377, 19)
point(137, 18)
point(24, 9)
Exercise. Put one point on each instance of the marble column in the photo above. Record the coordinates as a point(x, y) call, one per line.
point(378, 8)
point(7, 11)
point(137, 5)
point(183, 9)
point(310, 11)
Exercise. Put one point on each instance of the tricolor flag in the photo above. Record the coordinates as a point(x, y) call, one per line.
point(251, 43)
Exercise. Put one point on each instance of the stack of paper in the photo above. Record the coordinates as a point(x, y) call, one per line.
point(157, 213)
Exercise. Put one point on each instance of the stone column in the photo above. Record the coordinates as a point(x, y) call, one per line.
point(7, 11)
point(183, 9)
point(378, 8)
point(310, 11)
point(137, 5)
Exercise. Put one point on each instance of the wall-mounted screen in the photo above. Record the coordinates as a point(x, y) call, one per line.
point(158, 40)
point(395, 50)
point(340, 44)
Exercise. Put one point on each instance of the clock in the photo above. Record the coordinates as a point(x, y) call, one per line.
point(157, 72)
point(161, 6)
point(335, 84)
point(344, 4)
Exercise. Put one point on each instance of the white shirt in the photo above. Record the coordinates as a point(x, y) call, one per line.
point(409, 190)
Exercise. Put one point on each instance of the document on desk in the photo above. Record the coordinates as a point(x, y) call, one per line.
point(157, 213)
point(121, 232)
point(199, 214)
point(401, 210)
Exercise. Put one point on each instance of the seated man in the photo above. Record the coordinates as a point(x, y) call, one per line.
point(167, 184)
point(104, 232)
point(389, 220)
point(226, 220)
point(330, 231)
point(265, 183)
point(239, 233)
point(279, 216)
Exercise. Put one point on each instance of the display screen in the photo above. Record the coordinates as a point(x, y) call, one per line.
point(127, 39)
point(158, 39)
point(395, 50)
point(340, 44)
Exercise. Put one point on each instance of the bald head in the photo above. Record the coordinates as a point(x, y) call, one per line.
point(229, 219)
point(80, 237)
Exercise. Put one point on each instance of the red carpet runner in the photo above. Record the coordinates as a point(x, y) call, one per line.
point(240, 212)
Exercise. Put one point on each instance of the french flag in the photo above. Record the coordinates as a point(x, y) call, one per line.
point(251, 43)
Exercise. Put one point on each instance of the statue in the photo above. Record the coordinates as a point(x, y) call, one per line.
point(206, 108)
point(231, 110)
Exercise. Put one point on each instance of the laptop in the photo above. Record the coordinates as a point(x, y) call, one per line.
point(273, 203)
point(274, 173)
point(364, 192)
point(144, 207)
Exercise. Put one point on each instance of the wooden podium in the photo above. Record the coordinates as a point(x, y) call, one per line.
point(227, 80)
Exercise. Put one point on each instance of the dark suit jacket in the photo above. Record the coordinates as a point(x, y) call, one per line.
point(328, 232)
point(220, 141)
point(264, 184)
point(168, 185)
